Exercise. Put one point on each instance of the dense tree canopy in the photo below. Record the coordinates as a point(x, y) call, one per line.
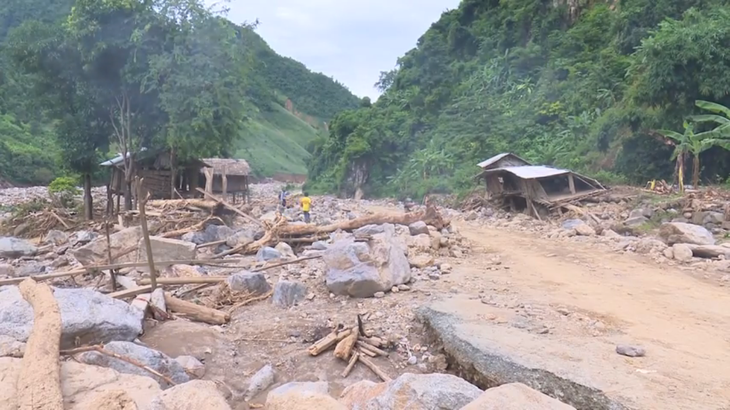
point(579, 85)
point(71, 71)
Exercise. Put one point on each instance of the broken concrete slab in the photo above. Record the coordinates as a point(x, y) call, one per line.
point(487, 355)
point(89, 317)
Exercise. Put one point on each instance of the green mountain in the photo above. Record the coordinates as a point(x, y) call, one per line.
point(286, 106)
point(577, 84)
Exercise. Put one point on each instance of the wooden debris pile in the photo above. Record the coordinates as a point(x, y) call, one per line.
point(353, 345)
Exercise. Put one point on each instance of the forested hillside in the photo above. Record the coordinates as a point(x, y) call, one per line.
point(587, 85)
point(272, 137)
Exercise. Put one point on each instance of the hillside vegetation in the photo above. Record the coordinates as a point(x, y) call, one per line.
point(577, 84)
point(283, 106)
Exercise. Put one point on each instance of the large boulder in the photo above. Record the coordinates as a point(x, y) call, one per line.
point(682, 252)
point(87, 315)
point(369, 230)
point(211, 233)
point(250, 282)
point(81, 385)
point(356, 269)
point(515, 396)
point(417, 228)
point(166, 249)
point(95, 252)
point(153, 359)
point(680, 232)
point(193, 395)
point(304, 395)
point(420, 391)
point(13, 248)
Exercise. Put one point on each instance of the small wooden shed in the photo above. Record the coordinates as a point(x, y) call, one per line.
point(155, 166)
point(523, 186)
point(225, 176)
point(505, 159)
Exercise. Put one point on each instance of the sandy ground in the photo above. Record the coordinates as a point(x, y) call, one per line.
point(590, 300)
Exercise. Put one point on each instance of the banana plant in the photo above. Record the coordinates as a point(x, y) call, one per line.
point(689, 143)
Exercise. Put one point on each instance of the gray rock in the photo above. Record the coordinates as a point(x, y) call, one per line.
point(285, 250)
point(649, 245)
point(471, 216)
point(193, 395)
point(420, 391)
point(166, 249)
point(95, 252)
point(580, 227)
point(344, 255)
point(630, 351)
point(636, 221)
point(91, 317)
point(678, 232)
point(417, 228)
point(360, 281)
point(369, 230)
point(149, 357)
point(380, 294)
point(191, 365)
point(515, 396)
point(252, 282)
point(29, 269)
point(288, 293)
point(299, 387)
point(211, 233)
point(682, 252)
point(639, 212)
point(84, 237)
point(10, 347)
point(7, 269)
point(242, 237)
point(260, 381)
point(319, 246)
point(267, 253)
point(13, 248)
point(55, 237)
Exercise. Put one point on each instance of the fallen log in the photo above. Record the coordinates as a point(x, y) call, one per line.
point(39, 381)
point(328, 341)
point(196, 312)
point(709, 251)
point(366, 346)
point(430, 216)
point(229, 206)
point(367, 362)
point(343, 350)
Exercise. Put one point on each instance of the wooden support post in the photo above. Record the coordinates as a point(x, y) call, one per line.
point(208, 179)
point(112, 272)
point(571, 183)
point(224, 183)
point(142, 201)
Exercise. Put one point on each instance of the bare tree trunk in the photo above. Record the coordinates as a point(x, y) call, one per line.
point(88, 199)
point(696, 171)
point(173, 173)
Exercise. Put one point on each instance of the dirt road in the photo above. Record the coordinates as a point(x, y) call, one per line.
point(602, 299)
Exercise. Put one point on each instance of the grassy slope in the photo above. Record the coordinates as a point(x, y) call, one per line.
point(275, 141)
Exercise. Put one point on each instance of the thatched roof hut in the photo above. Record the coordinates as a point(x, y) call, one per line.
point(232, 167)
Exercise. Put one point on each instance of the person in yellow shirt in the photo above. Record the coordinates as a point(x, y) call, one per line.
point(306, 203)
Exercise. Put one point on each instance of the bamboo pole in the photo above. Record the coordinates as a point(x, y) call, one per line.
point(142, 200)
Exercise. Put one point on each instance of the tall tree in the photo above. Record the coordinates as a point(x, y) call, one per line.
point(51, 60)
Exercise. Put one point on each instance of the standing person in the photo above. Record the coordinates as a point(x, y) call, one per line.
point(282, 198)
point(306, 205)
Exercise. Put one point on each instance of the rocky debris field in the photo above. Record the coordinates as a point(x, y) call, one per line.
point(252, 307)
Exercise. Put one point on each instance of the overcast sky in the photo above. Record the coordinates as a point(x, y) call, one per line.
point(350, 40)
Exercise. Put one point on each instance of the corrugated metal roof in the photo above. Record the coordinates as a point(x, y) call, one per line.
point(531, 171)
point(118, 159)
point(492, 160)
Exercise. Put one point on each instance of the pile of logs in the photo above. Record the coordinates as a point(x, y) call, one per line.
point(353, 345)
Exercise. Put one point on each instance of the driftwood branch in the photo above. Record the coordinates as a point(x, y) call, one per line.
point(353, 360)
point(39, 382)
point(196, 312)
point(372, 366)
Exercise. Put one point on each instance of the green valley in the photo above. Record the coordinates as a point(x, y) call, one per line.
point(282, 105)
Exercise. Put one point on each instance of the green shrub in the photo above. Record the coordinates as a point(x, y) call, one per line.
point(63, 191)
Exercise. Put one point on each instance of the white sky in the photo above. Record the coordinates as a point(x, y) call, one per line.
point(350, 40)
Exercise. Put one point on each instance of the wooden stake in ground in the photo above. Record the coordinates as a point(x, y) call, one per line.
point(39, 382)
point(145, 232)
point(112, 272)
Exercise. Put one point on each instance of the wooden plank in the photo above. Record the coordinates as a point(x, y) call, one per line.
point(571, 183)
